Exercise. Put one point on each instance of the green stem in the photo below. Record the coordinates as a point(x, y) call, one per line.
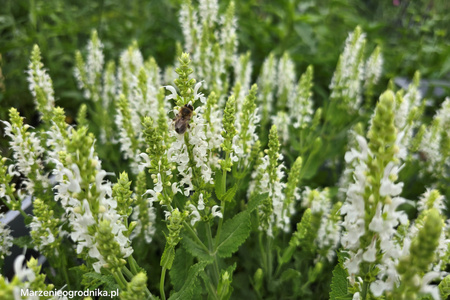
point(195, 237)
point(161, 283)
point(263, 254)
point(133, 264)
point(364, 290)
point(120, 280)
point(269, 258)
point(222, 203)
point(212, 250)
point(127, 272)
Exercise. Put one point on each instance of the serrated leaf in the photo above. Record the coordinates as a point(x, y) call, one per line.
point(178, 273)
point(168, 257)
point(234, 233)
point(219, 188)
point(194, 248)
point(444, 287)
point(93, 280)
point(256, 201)
point(339, 289)
point(187, 290)
point(23, 241)
point(229, 195)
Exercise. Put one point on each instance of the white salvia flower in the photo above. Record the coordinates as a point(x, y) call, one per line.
point(318, 201)
point(282, 121)
point(201, 203)
point(300, 105)
point(371, 251)
point(94, 62)
point(79, 214)
point(430, 144)
point(286, 77)
point(346, 81)
point(5, 239)
point(228, 37)
point(208, 10)
point(178, 153)
point(169, 74)
point(215, 211)
point(27, 154)
point(39, 79)
point(148, 229)
point(354, 209)
point(109, 85)
point(356, 296)
point(242, 74)
point(21, 271)
point(197, 139)
point(373, 68)
point(186, 19)
point(427, 288)
point(387, 186)
point(195, 214)
point(282, 220)
point(328, 235)
point(267, 84)
point(352, 264)
point(438, 203)
point(261, 183)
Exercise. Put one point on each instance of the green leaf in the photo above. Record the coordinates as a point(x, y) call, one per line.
point(229, 195)
point(167, 257)
point(94, 280)
point(218, 185)
point(23, 241)
point(234, 233)
point(236, 230)
point(444, 287)
point(339, 288)
point(187, 290)
point(256, 201)
point(290, 274)
point(179, 272)
point(194, 248)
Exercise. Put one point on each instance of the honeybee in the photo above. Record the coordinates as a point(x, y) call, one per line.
point(182, 118)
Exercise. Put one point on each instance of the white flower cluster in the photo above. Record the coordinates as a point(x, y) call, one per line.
point(195, 210)
point(208, 10)
point(300, 105)
point(27, 154)
point(431, 142)
point(39, 79)
point(373, 68)
point(282, 121)
point(347, 79)
point(78, 211)
point(197, 140)
point(286, 77)
point(147, 229)
point(5, 238)
point(262, 183)
point(444, 240)
point(267, 84)
point(211, 41)
point(383, 224)
point(328, 234)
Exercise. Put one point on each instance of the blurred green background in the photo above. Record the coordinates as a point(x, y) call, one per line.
point(413, 35)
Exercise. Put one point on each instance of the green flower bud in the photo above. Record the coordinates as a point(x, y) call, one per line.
point(136, 289)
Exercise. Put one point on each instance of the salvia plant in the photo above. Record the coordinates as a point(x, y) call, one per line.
point(219, 190)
